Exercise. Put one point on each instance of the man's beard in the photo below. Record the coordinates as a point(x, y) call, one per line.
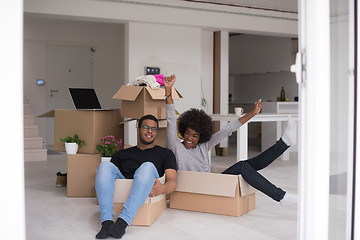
point(142, 140)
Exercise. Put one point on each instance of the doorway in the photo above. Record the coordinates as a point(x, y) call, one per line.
point(67, 67)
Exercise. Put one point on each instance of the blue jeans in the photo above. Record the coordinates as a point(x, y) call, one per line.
point(107, 173)
point(249, 170)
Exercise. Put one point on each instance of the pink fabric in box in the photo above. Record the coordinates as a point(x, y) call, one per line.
point(159, 78)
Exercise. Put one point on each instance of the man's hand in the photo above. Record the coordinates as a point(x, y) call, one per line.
point(157, 189)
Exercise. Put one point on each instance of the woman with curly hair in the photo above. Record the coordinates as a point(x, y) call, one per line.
point(192, 154)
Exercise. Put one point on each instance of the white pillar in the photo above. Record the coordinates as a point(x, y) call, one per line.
point(224, 80)
point(314, 154)
point(12, 204)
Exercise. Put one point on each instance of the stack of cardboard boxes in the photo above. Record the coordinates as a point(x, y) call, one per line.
point(91, 126)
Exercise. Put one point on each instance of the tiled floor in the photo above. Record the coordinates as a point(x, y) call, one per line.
point(51, 215)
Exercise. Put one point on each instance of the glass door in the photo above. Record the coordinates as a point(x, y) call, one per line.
point(327, 90)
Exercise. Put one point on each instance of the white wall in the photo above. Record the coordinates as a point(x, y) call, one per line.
point(259, 67)
point(174, 49)
point(108, 67)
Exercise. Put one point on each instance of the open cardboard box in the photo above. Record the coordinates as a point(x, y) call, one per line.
point(138, 101)
point(81, 174)
point(90, 125)
point(148, 212)
point(213, 193)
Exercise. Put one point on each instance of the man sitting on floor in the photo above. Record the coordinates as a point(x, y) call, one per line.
point(144, 163)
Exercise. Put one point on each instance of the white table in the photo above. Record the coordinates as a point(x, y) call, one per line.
point(242, 132)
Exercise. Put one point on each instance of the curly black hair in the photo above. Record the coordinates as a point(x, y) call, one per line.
point(197, 120)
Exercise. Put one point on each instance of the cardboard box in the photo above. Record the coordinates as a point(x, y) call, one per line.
point(90, 125)
point(139, 101)
point(213, 193)
point(161, 134)
point(148, 212)
point(81, 174)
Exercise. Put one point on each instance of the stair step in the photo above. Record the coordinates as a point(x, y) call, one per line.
point(31, 131)
point(27, 109)
point(32, 155)
point(29, 120)
point(34, 143)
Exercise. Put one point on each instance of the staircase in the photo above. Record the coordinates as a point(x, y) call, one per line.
point(34, 147)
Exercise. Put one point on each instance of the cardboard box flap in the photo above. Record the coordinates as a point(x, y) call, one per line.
point(245, 188)
point(159, 94)
point(48, 114)
point(162, 123)
point(207, 183)
point(123, 188)
point(175, 94)
point(129, 93)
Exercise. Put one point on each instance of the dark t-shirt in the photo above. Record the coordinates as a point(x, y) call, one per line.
point(130, 159)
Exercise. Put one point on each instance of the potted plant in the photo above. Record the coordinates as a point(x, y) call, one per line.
point(108, 147)
point(72, 143)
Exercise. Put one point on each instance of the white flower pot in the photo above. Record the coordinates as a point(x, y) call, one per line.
point(71, 148)
point(105, 159)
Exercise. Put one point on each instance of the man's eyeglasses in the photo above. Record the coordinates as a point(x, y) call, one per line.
point(146, 128)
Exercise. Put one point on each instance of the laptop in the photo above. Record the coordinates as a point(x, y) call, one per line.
point(85, 99)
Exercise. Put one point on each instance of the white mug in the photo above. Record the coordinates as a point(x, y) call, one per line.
point(239, 111)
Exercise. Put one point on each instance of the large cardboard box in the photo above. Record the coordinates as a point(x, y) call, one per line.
point(139, 101)
point(81, 174)
point(90, 125)
point(148, 212)
point(213, 193)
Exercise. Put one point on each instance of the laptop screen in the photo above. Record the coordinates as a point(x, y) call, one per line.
point(84, 98)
